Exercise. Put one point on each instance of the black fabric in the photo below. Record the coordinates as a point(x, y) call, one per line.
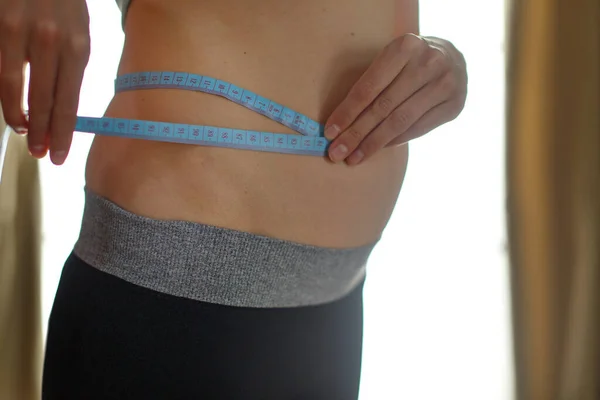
point(110, 339)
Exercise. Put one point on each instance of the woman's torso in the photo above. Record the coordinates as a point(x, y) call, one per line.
point(303, 54)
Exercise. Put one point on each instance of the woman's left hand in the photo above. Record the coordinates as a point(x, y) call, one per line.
point(415, 85)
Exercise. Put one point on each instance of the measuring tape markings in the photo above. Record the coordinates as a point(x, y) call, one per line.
point(205, 135)
point(312, 143)
point(182, 80)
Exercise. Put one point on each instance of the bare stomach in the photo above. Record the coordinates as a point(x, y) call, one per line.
point(305, 55)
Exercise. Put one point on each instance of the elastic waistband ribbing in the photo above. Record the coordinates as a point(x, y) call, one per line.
point(213, 264)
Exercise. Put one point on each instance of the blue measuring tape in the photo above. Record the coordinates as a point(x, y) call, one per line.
point(312, 142)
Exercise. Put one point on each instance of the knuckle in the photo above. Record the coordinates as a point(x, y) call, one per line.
point(79, 45)
point(39, 114)
point(369, 147)
point(413, 43)
point(383, 107)
point(365, 91)
point(436, 60)
point(448, 84)
point(39, 105)
point(345, 121)
point(342, 117)
point(64, 111)
point(46, 32)
point(12, 24)
point(400, 121)
point(354, 134)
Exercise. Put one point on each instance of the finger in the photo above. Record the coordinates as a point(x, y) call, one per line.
point(64, 112)
point(382, 72)
point(43, 60)
point(12, 49)
point(399, 122)
point(433, 119)
point(415, 76)
point(443, 113)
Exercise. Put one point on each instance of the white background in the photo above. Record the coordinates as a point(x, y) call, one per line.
point(437, 312)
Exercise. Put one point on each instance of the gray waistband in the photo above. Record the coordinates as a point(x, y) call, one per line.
point(213, 264)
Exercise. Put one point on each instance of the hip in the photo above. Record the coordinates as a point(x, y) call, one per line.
point(111, 339)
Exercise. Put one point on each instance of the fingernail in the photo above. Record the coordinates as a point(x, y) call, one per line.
point(339, 153)
point(38, 150)
point(20, 130)
point(356, 157)
point(332, 131)
point(58, 157)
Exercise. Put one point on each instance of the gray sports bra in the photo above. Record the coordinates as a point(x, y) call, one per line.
point(123, 5)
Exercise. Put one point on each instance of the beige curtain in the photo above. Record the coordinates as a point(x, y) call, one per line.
point(554, 197)
point(20, 248)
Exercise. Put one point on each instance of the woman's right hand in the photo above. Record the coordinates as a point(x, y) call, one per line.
point(53, 36)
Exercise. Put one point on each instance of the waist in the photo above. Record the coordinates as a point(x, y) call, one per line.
point(306, 199)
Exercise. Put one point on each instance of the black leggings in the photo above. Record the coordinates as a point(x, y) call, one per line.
point(111, 339)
